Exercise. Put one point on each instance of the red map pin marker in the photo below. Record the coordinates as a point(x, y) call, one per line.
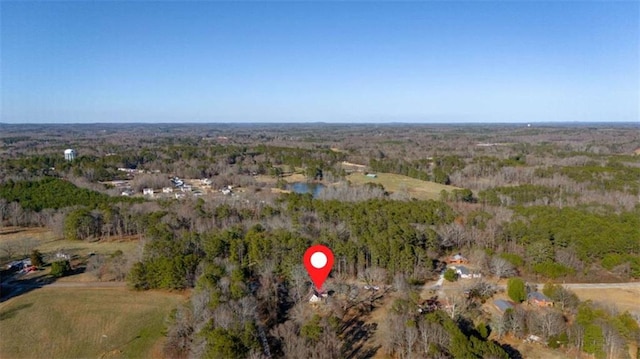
point(318, 260)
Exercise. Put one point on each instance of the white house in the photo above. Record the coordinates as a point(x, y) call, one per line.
point(61, 255)
point(465, 273)
point(147, 191)
point(316, 296)
point(167, 190)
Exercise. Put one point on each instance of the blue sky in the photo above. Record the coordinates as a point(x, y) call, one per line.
point(440, 61)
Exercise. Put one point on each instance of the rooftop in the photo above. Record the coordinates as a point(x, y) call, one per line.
point(502, 304)
point(538, 296)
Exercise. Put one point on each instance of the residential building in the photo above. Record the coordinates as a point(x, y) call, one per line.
point(539, 299)
point(466, 273)
point(457, 259)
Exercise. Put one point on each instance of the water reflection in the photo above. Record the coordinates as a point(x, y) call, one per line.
point(306, 187)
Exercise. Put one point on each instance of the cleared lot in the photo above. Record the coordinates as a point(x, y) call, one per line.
point(397, 183)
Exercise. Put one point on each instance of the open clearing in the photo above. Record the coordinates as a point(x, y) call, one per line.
point(289, 178)
point(25, 239)
point(622, 298)
point(397, 183)
point(535, 350)
point(84, 323)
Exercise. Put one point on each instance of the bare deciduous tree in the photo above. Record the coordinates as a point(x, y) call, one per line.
point(453, 235)
point(299, 283)
point(9, 248)
point(374, 275)
point(502, 268)
point(148, 180)
point(27, 245)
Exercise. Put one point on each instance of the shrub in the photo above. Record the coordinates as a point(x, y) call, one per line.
point(450, 275)
point(60, 268)
point(611, 260)
point(483, 330)
point(556, 341)
point(36, 258)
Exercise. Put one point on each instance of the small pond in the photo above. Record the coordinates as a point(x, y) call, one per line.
point(306, 187)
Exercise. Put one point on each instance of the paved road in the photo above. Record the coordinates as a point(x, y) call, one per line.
point(438, 286)
point(625, 285)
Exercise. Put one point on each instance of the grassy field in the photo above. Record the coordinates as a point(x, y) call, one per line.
point(624, 299)
point(84, 323)
point(47, 243)
point(294, 177)
point(398, 183)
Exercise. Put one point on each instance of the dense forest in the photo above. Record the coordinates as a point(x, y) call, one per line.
point(548, 204)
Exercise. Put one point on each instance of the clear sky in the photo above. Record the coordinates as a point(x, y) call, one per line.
point(359, 61)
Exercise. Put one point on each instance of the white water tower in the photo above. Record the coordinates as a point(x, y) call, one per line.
point(70, 154)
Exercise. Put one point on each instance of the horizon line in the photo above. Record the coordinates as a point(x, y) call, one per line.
point(323, 122)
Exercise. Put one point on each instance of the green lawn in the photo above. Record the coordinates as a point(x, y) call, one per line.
point(84, 323)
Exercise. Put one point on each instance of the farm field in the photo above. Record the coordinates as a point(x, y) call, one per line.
point(397, 183)
point(85, 323)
